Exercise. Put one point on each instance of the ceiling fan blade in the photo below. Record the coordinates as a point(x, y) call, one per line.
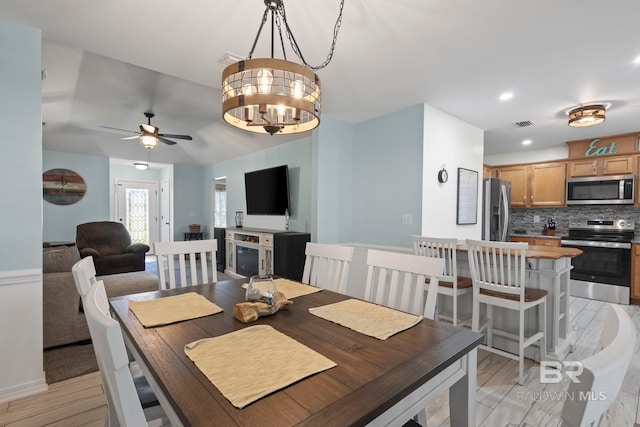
point(168, 135)
point(166, 141)
point(121, 130)
point(131, 137)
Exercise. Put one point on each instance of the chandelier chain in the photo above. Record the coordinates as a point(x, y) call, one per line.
point(294, 44)
point(280, 13)
point(284, 52)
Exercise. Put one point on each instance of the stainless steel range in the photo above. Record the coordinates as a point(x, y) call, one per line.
point(603, 271)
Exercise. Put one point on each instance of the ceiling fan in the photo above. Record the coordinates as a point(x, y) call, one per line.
point(149, 135)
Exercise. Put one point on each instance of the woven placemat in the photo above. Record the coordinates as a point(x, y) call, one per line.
point(291, 289)
point(250, 363)
point(163, 311)
point(367, 318)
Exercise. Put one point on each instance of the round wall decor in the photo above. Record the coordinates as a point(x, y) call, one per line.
point(62, 186)
point(443, 175)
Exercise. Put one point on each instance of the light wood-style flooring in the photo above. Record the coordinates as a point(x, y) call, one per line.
point(501, 401)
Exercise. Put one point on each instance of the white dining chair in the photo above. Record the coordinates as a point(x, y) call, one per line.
point(397, 280)
point(599, 383)
point(498, 271)
point(124, 406)
point(327, 266)
point(172, 261)
point(84, 275)
point(450, 285)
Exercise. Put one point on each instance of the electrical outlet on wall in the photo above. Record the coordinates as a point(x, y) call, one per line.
point(536, 218)
point(407, 219)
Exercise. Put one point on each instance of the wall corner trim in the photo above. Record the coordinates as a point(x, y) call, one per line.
point(20, 277)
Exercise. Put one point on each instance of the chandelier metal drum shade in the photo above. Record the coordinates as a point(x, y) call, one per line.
point(270, 95)
point(587, 115)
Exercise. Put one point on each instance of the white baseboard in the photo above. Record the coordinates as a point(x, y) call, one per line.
point(21, 366)
point(24, 390)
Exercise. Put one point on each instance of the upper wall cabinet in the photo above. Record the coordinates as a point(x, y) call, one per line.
point(487, 171)
point(610, 165)
point(535, 185)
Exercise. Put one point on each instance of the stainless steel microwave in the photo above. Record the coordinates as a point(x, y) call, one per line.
point(601, 190)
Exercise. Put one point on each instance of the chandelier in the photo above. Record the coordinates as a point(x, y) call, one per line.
point(587, 115)
point(270, 95)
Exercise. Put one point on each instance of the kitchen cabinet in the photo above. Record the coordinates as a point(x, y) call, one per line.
point(487, 171)
point(535, 185)
point(537, 241)
point(611, 165)
point(517, 175)
point(635, 273)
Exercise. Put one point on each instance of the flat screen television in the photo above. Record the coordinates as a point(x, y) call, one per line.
point(267, 191)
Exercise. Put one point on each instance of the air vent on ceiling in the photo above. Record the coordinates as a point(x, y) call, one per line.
point(229, 58)
point(524, 123)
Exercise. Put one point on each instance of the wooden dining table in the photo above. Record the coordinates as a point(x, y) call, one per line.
point(376, 382)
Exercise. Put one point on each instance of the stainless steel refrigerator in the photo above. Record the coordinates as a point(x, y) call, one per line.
point(496, 201)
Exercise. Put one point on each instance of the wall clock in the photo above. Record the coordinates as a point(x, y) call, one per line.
point(62, 186)
point(443, 175)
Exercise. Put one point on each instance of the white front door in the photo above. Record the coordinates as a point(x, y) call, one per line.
point(137, 209)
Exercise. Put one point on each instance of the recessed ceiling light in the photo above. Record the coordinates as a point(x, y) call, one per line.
point(526, 142)
point(637, 60)
point(506, 96)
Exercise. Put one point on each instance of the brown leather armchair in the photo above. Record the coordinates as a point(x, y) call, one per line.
point(110, 246)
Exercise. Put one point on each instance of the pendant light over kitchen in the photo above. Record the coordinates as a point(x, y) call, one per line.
point(269, 95)
point(587, 115)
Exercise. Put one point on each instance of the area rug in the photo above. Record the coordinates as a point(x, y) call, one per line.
point(69, 361)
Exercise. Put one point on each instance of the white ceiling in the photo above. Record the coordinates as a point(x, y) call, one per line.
point(109, 61)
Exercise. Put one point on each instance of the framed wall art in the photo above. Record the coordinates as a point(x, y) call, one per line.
point(62, 186)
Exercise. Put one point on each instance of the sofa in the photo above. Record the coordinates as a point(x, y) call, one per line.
point(63, 318)
point(109, 243)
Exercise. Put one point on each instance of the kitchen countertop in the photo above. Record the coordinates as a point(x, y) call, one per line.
point(545, 252)
point(536, 235)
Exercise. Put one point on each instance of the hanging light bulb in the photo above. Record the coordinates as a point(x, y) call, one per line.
point(297, 89)
point(265, 78)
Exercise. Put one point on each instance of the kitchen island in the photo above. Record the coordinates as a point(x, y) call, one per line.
point(548, 268)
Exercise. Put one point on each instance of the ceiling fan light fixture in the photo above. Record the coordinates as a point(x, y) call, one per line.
point(587, 115)
point(142, 166)
point(149, 141)
point(269, 95)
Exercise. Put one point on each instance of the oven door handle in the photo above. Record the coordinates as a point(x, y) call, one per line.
point(596, 244)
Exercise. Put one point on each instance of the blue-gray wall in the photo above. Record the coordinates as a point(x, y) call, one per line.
point(21, 158)
point(60, 221)
point(387, 177)
point(189, 186)
point(21, 366)
point(332, 182)
point(297, 155)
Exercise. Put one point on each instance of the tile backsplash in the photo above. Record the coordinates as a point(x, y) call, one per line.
point(522, 219)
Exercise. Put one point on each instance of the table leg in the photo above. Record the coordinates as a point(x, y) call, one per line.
point(462, 394)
